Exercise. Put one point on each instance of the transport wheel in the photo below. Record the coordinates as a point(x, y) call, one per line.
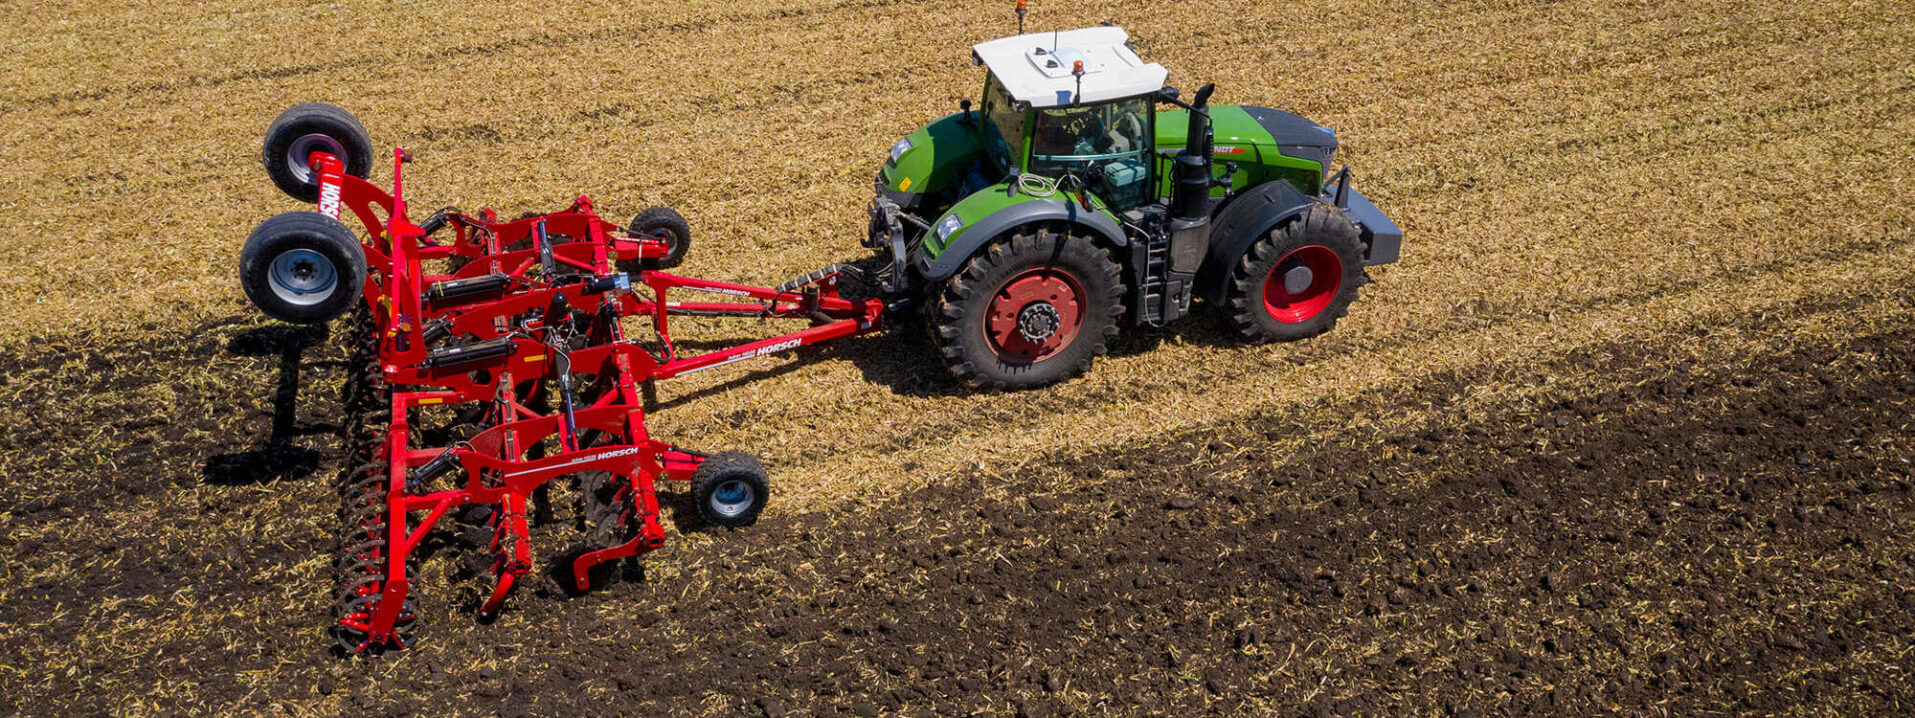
point(1296, 282)
point(313, 127)
point(302, 267)
point(653, 222)
point(730, 489)
point(1030, 310)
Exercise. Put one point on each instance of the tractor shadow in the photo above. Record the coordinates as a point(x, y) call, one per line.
point(901, 359)
point(1204, 326)
point(904, 360)
point(279, 456)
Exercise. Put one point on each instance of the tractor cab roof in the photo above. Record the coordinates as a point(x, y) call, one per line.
point(1038, 68)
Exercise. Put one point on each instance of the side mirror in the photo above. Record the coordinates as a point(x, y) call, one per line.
point(1167, 94)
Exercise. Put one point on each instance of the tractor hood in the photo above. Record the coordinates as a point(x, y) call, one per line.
point(1291, 129)
point(1281, 143)
point(931, 159)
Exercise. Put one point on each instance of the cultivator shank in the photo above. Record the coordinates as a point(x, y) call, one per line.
point(475, 388)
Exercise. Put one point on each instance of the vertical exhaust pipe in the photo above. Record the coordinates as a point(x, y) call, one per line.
point(1189, 212)
point(1193, 166)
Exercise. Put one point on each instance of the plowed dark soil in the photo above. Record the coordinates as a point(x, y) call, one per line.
point(1708, 538)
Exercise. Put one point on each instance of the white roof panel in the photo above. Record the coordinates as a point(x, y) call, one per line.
point(1039, 68)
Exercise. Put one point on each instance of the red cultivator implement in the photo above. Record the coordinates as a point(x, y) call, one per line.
point(478, 386)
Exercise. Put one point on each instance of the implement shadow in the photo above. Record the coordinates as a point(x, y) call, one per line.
point(278, 457)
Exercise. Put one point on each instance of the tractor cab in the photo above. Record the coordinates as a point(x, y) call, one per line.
point(1077, 104)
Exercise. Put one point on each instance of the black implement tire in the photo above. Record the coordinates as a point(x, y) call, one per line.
point(302, 267)
point(730, 489)
point(995, 323)
point(1297, 281)
point(653, 221)
point(303, 129)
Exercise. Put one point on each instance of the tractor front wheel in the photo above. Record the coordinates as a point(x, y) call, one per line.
point(1030, 310)
point(1297, 281)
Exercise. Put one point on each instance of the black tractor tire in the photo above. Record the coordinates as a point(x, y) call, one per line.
point(730, 489)
point(1014, 269)
point(655, 220)
point(304, 129)
point(302, 267)
point(1297, 281)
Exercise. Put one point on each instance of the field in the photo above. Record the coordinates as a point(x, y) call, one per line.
point(1627, 429)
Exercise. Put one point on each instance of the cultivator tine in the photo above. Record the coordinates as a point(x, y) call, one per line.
point(511, 550)
point(641, 506)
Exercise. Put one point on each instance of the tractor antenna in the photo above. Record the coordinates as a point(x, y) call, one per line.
point(1054, 34)
point(1077, 68)
point(1021, 9)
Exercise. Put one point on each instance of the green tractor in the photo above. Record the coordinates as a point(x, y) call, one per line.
point(1084, 194)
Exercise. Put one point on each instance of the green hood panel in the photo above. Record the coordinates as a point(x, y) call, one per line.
point(1244, 136)
point(940, 153)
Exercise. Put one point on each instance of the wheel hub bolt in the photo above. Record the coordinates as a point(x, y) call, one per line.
point(1038, 321)
point(1298, 280)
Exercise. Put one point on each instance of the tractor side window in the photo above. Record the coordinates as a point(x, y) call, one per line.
point(1004, 125)
point(1114, 137)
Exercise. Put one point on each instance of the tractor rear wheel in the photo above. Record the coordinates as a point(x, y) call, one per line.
point(313, 127)
point(660, 221)
point(302, 267)
point(1030, 310)
point(1296, 282)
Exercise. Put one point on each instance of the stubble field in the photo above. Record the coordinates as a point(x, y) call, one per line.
point(1627, 430)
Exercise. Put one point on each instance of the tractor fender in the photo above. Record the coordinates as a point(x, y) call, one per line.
point(981, 232)
point(1240, 224)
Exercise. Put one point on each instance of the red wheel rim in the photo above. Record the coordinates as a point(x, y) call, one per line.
point(1034, 315)
point(1302, 284)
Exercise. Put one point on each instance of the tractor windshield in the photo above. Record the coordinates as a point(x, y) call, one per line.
point(1003, 126)
point(1114, 137)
